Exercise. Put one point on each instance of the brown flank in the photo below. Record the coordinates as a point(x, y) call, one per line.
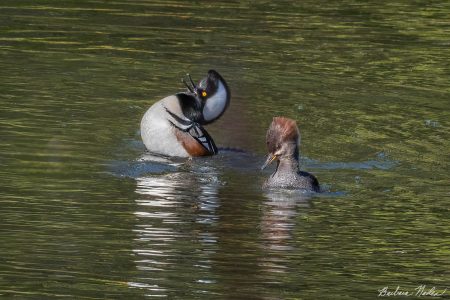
point(191, 145)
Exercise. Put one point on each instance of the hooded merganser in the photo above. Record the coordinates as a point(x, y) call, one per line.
point(173, 125)
point(282, 142)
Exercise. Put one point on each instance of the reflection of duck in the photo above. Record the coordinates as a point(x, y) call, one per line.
point(163, 233)
point(280, 211)
point(278, 221)
point(173, 125)
point(282, 142)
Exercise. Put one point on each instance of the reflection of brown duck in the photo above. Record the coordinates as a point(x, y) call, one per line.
point(173, 126)
point(282, 142)
point(277, 223)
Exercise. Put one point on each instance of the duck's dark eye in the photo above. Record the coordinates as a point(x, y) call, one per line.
point(202, 93)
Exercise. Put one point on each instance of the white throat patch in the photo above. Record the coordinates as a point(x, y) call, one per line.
point(215, 105)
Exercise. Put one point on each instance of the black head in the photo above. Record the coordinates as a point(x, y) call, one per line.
point(212, 94)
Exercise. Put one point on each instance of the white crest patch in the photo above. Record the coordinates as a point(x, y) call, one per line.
point(216, 104)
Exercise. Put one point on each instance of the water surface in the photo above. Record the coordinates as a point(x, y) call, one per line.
point(86, 215)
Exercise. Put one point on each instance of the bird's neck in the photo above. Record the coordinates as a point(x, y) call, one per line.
point(288, 165)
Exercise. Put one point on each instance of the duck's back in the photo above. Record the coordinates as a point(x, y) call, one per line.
point(299, 180)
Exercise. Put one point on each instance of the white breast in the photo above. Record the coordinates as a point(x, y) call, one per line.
point(156, 131)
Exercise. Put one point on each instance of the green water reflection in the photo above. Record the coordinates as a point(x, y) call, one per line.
point(82, 218)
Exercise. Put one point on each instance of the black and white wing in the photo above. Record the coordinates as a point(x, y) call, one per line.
point(195, 130)
point(202, 136)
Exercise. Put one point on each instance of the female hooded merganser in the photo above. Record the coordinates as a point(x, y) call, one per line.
point(173, 125)
point(282, 142)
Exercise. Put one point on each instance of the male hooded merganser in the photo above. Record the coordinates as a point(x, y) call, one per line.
point(173, 125)
point(282, 142)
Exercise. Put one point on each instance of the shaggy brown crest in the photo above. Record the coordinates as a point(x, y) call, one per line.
point(281, 130)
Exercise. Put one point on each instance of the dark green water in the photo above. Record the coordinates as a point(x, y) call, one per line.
point(83, 216)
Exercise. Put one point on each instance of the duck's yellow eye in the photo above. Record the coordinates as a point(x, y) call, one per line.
point(204, 94)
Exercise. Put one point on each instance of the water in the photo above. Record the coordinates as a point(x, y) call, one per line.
point(86, 214)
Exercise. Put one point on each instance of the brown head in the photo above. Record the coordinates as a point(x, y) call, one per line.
point(282, 140)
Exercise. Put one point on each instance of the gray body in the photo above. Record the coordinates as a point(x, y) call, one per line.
point(288, 176)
